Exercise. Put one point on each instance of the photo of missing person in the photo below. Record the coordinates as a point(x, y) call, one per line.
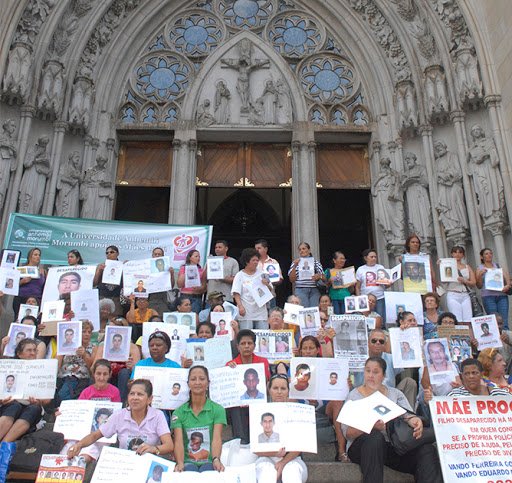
point(156, 470)
point(198, 353)
point(135, 441)
point(175, 391)
point(302, 377)
point(251, 381)
point(69, 282)
point(10, 384)
point(406, 351)
point(101, 416)
point(198, 444)
point(269, 435)
point(140, 287)
point(69, 337)
point(333, 378)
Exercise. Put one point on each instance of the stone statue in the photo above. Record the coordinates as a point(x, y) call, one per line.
point(51, 91)
point(284, 103)
point(96, 191)
point(484, 170)
point(435, 90)
point(204, 117)
point(415, 184)
point(468, 79)
point(406, 101)
point(33, 182)
point(257, 112)
point(81, 101)
point(389, 208)
point(269, 99)
point(245, 65)
point(450, 195)
point(8, 152)
point(66, 203)
point(222, 98)
point(17, 79)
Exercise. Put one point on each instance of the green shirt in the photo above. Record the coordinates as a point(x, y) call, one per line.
point(199, 429)
point(336, 293)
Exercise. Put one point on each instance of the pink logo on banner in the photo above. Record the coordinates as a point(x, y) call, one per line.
point(183, 244)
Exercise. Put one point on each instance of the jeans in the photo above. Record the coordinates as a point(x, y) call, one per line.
point(339, 306)
point(198, 468)
point(459, 304)
point(197, 303)
point(380, 308)
point(497, 303)
point(253, 324)
point(121, 382)
point(309, 296)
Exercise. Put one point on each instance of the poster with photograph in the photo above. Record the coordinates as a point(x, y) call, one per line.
point(53, 311)
point(27, 310)
point(215, 268)
point(306, 268)
point(85, 306)
point(170, 387)
point(342, 278)
point(9, 258)
point(64, 280)
point(448, 271)
point(32, 378)
point(439, 361)
point(57, 468)
point(273, 270)
point(406, 347)
point(388, 276)
point(493, 279)
point(356, 303)
point(146, 276)
point(9, 281)
point(459, 341)
point(18, 332)
point(416, 273)
point(188, 319)
point(282, 425)
point(319, 378)
point(309, 321)
point(291, 313)
point(260, 292)
point(274, 345)
point(177, 333)
point(192, 277)
point(222, 322)
point(397, 302)
point(117, 343)
point(112, 272)
point(28, 271)
point(69, 337)
point(238, 386)
point(116, 464)
point(211, 353)
point(364, 413)
point(78, 418)
point(351, 340)
point(485, 331)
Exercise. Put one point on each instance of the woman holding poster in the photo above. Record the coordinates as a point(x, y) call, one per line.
point(197, 426)
point(194, 292)
point(306, 289)
point(30, 287)
point(366, 284)
point(287, 467)
point(338, 290)
point(372, 451)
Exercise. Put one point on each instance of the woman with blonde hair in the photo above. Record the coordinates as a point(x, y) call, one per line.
point(494, 369)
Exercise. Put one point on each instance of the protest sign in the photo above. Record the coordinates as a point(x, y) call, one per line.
point(474, 439)
point(69, 337)
point(116, 347)
point(222, 322)
point(351, 341)
point(85, 306)
point(459, 341)
point(319, 378)
point(9, 258)
point(64, 280)
point(112, 272)
point(32, 378)
point(170, 387)
point(356, 303)
point(211, 353)
point(78, 418)
point(142, 277)
point(181, 318)
point(52, 311)
point(273, 270)
point(306, 268)
point(58, 468)
point(177, 333)
point(282, 425)
point(406, 347)
point(231, 474)
point(215, 268)
point(9, 281)
point(260, 292)
point(238, 386)
point(416, 273)
point(274, 345)
point(388, 276)
point(493, 279)
point(18, 332)
point(27, 310)
point(291, 313)
point(28, 271)
point(309, 321)
point(342, 278)
point(440, 367)
point(397, 302)
point(448, 270)
point(486, 332)
point(192, 277)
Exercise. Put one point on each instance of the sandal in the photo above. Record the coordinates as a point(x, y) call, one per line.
point(341, 458)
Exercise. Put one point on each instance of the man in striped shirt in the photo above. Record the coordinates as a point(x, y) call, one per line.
point(472, 382)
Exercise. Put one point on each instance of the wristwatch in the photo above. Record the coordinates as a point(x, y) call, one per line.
point(215, 458)
point(157, 452)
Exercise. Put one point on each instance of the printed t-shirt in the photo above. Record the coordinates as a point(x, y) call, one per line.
point(149, 362)
point(110, 393)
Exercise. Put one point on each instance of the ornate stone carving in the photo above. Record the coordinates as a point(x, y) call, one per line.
point(32, 19)
point(222, 100)
point(245, 65)
point(33, 182)
point(435, 91)
point(17, 80)
point(469, 86)
point(81, 102)
point(415, 184)
point(453, 18)
point(66, 203)
point(8, 153)
point(484, 170)
point(269, 102)
point(96, 191)
point(284, 103)
point(450, 195)
point(51, 91)
point(388, 202)
point(406, 101)
point(204, 117)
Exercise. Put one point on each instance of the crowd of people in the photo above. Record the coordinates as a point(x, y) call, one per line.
point(87, 374)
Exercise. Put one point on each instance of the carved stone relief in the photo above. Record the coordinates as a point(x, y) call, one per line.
point(17, 80)
point(96, 191)
point(222, 101)
point(66, 203)
point(407, 107)
point(81, 102)
point(435, 91)
point(51, 91)
point(204, 117)
point(8, 153)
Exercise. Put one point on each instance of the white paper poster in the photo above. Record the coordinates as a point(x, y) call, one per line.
point(64, 280)
point(215, 268)
point(356, 303)
point(170, 388)
point(28, 271)
point(493, 279)
point(397, 302)
point(192, 278)
point(10, 258)
point(9, 281)
point(388, 276)
point(291, 313)
point(28, 310)
point(416, 273)
point(211, 353)
point(85, 306)
point(18, 332)
point(57, 468)
point(116, 347)
point(144, 277)
point(439, 361)
point(282, 425)
point(342, 278)
point(32, 378)
point(309, 321)
point(53, 311)
point(306, 268)
point(448, 269)
point(222, 322)
point(274, 345)
point(486, 332)
point(260, 292)
point(406, 347)
point(319, 378)
point(273, 270)
point(177, 333)
point(69, 337)
point(181, 318)
point(112, 272)
point(231, 474)
point(351, 340)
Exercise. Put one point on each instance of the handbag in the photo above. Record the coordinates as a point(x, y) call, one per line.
point(476, 306)
point(400, 435)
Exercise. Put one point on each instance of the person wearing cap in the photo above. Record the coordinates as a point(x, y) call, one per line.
point(231, 268)
point(217, 298)
point(159, 344)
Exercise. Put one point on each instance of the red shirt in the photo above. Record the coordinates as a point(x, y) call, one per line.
point(255, 359)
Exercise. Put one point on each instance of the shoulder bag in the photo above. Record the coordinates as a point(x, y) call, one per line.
point(400, 435)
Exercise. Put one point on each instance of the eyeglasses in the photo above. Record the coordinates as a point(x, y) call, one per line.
point(378, 341)
point(279, 376)
point(110, 251)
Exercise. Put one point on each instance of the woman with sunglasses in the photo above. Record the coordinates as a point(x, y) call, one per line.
point(159, 344)
point(282, 465)
point(106, 290)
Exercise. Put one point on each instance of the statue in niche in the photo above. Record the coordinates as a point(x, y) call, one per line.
point(269, 100)
point(222, 98)
point(468, 80)
point(245, 65)
point(33, 182)
point(415, 184)
point(17, 79)
point(96, 191)
point(50, 95)
point(204, 117)
point(284, 103)
point(406, 100)
point(484, 170)
point(81, 102)
point(435, 88)
point(8, 152)
point(450, 195)
point(388, 203)
point(66, 203)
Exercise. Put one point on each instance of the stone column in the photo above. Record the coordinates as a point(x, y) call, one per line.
point(59, 129)
point(428, 150)
point(497, 230)
point(91, 160)
point(381, 244)
point(111, 166)
point(475, 224)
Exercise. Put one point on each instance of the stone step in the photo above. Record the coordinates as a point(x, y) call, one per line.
point(348, 473)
